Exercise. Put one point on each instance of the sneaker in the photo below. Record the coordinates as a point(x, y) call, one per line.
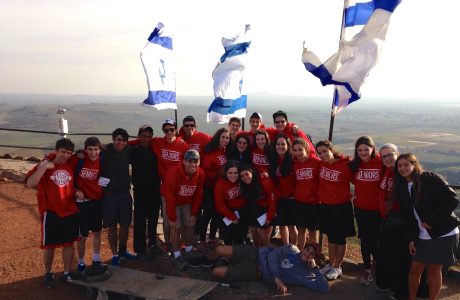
point(180, 263)
point(97, 263)
point(367, 278)
point(115, 261)
point(50, 282)
point(182, 245)
point(275, 232)
point(196, 239)
point(68, 277)
point(167, 251)
point(185, 254)
point(204, 247)
point(221, 263)
point(382, 289)
point(203, 261)
point(144, 257)
point(81, 268)
point(334, 273)
point(126, 255)
point(326, 269)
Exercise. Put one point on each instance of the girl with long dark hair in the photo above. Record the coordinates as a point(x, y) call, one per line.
point(262, 193)
point(336, 219)
point(261, 149)
point(430, 225)
point(368, 171)
point(281, 163)
point(242, 151)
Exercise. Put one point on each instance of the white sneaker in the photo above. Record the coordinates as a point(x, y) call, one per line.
point(326, 269)
point(334, 273)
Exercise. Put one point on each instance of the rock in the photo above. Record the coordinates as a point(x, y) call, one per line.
point(18, 158)
point(33, 158)
point(7, 156)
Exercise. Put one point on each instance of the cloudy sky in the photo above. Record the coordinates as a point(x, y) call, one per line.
point(92, 47)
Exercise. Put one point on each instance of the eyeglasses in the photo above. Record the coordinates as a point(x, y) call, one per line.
point(389, 155)
point(169, 130)
point(146, 136)
point(189, 125)
point(280, 121)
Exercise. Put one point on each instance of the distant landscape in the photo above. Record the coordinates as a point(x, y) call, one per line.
point(431, 130)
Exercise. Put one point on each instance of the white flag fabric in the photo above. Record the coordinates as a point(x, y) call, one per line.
point(230, 99)
point(365, 25)
point(158, 61)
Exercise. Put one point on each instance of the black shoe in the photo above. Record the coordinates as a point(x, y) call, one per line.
point(202, 261)
point(221, 263)
point(144, 256)
point(97, 263)
point(68, 277)
point(50, 282)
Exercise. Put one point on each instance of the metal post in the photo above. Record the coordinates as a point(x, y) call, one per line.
point(62, 123)
point(242, 123)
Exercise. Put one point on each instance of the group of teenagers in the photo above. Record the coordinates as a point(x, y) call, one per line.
point(250, 181)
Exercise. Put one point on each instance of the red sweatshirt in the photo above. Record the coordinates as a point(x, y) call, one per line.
point(306, 180)
point(250, 133)
point(285, 184)
point(367, 184)
point(197, 141)
point(213, 162)
point(259, 159)
point(273, 132)
point(270, 195)
point(386, 183)
point(227, 197)
point(178, 189)
point(334, 182)
point(88, 178)
point(168, 154)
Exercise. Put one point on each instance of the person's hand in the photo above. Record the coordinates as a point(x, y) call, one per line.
point(312, 263)
point(267, 222)
point(47, 165)
point(426, 226)
point(264, 174)
point(104, 146)
point(281, 287)
point(81, 154)
point(192, 220)
point(412, 248)
point(295, 129)
point(79, 194)
point(235, 222)
point(172, 225)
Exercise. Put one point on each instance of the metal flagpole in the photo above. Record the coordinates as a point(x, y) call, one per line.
point(242, 124)
point(175, 92)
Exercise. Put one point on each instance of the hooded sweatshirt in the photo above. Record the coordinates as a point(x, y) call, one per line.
point(306, 180)
point(179, 189)
point(285, 263)
point(367, 184)
point(213, 162)
point(228, 198)
point(285, 184)
point(197, 141)
point(334, 182)
point(259, 159)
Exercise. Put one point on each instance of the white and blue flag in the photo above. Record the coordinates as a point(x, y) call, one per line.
point(364, 27)
point(158, 61)
point(230, 99)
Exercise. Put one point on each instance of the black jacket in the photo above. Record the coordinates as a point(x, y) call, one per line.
point(116, 167)
point(144, 169)
point(435, 207)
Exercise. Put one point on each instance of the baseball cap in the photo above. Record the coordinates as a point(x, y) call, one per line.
point(168, 122)
point(280, 113)
point(315, 246)
point(145, 127)
point(192, 154)
point(188, 118)
point(256, 115)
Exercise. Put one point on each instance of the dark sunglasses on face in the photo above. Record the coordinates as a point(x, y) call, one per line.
point(280, 121)
point(189, 125)
point(169, 130)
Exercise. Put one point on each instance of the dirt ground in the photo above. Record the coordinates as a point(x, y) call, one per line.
point(21, 266)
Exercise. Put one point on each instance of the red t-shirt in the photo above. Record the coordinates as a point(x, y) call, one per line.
point(306, 180)
point(55, 190)
point(259, 159)
point(178, 189)
point(213, 162)
point(228, 198)
point(334, 182)
point(285, 184)
point(367, 184)
point(196, 142)
point(385, 189)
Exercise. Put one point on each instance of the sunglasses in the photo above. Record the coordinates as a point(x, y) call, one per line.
point(389, 155)
point(169, 130)
point(280, 121)
point(189, 125)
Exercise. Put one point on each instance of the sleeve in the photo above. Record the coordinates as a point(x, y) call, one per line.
point(207, 165)
point(73, 161)
point(446, 203)
point(382, 203)
point(274, 259)
point(269, 189)
point(198, 197)
point(31, 172)
point(134, 142)
point(170, 195)
point(219, 200)
point(317, 283)
point(272, 132)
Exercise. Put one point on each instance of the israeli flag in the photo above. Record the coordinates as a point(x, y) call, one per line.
point(230, 97)
point(158, 61)
point(364, 27)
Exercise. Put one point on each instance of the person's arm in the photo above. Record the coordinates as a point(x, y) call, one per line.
point(317, 283)
point(34, 178)
point(198, 196)
point(219, 201)
point(170, 183)
point(269, 188)
point(446, 203)
point(274, 259)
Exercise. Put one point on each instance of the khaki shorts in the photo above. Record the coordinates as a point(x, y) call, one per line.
point(183, 214)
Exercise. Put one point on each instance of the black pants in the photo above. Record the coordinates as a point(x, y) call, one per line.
point(146, 207)
point(369, 225)
point(209, 212)
point(234, 234)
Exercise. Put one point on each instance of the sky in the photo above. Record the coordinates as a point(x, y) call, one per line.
point(93, 47)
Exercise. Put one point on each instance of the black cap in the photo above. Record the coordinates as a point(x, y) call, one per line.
point(279, 113)
point(256, 115)
point(188, 119)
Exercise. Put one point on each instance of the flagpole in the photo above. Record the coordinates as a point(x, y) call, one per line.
point(331, 124)
point(175, 92)
point(242, 124)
